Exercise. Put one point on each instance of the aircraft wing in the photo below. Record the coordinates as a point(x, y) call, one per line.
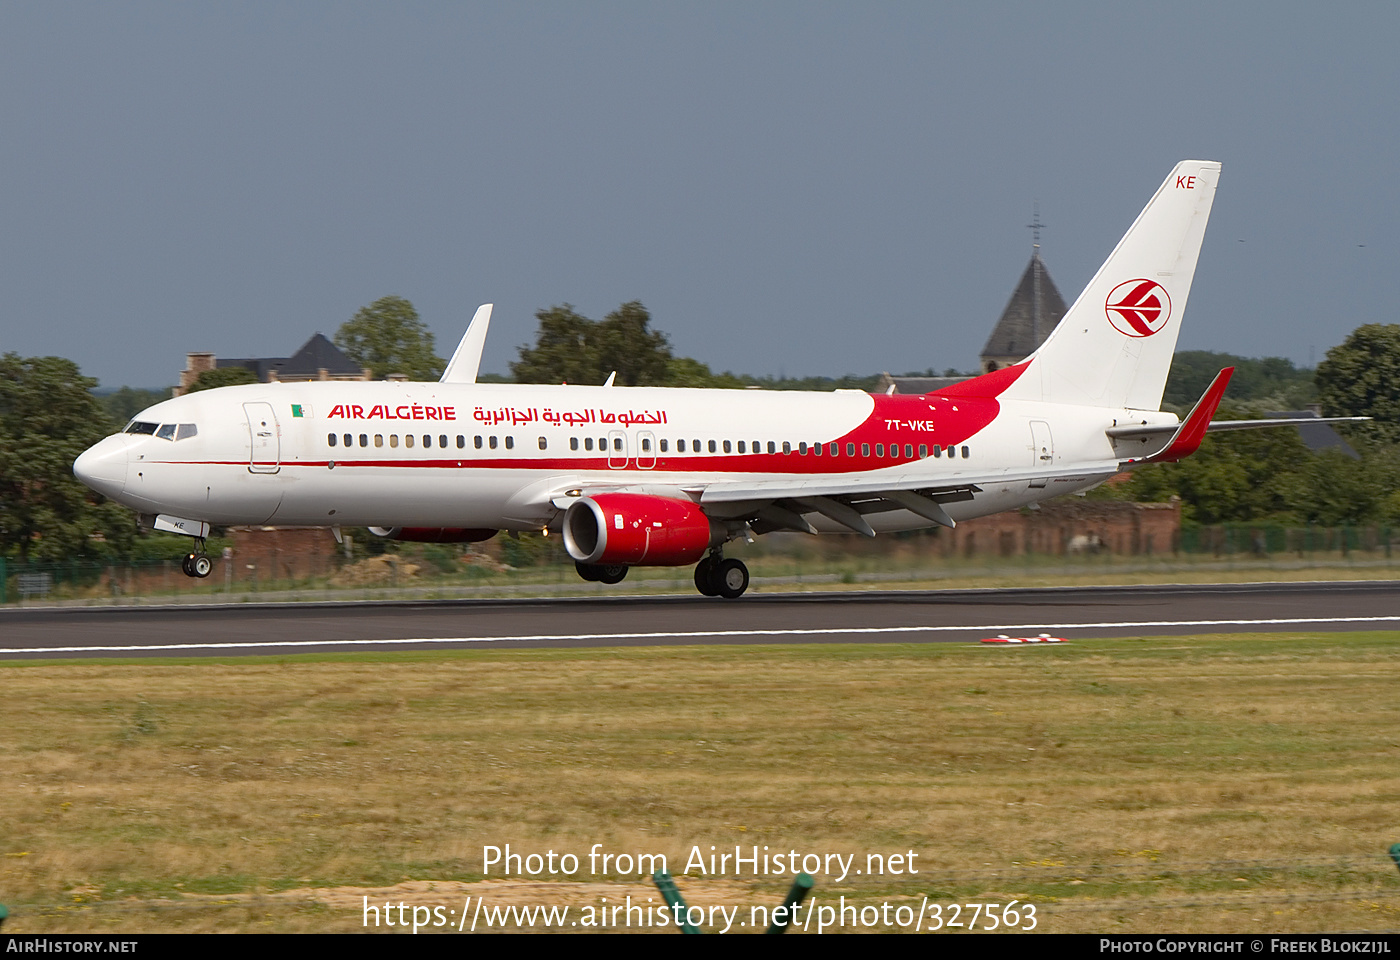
point(781, 504)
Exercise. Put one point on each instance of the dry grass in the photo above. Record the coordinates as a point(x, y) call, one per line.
point(1104, 781)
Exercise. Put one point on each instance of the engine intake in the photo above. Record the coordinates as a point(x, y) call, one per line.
point(638, 529)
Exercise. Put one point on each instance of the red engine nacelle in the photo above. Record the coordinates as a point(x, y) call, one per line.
point(637, 529)
point(435, 534)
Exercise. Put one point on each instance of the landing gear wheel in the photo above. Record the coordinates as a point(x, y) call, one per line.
point(185, 564)
point(703, 581)
point(601, 572)
point(612, 573)
point(202, 566)
point(730, 578)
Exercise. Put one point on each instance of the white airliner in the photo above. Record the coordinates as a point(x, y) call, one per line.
point(639, 476)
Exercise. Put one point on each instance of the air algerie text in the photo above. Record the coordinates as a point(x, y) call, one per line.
point(382, 411)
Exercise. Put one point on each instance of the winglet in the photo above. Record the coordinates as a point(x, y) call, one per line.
point(1188, 436)
point(466, 362)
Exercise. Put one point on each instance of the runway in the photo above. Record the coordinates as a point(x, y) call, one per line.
point(934, 616)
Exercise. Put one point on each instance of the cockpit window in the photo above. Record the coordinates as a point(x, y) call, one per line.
point(166, 431)
point(187, 430)
point(137, 426)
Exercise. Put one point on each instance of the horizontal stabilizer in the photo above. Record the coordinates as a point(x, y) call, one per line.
point(1193, 429)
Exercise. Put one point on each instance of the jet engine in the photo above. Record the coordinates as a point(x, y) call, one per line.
point(435, 534)
point(638, 529)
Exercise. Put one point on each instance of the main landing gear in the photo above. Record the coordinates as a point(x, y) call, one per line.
point(197, 564)
point(718, 577)
point(601, 572)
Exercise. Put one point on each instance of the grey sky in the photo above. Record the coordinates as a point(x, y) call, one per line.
point(807, 188)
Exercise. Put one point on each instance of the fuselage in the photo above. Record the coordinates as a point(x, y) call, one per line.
point(500, 456)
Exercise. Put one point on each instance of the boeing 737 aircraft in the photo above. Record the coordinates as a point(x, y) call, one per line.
point(638, 476)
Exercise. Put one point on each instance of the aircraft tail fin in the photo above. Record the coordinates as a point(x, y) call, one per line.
point(1114, 346)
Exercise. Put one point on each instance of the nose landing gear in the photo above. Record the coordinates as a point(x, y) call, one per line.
point(197, 564)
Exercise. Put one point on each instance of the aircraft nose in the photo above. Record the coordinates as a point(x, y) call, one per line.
point(102, 466)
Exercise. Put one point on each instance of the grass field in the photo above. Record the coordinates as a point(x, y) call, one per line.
point(1218, 783)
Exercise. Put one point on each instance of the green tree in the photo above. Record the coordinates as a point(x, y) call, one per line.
point(1272, 379)
point(222, 377)
point(388, 337)
point(565, 350)
point(685, 372)
point(48, 416)
point(626, 343)
point(1361, 378)
point(570, 348)
point(1235, 476)
point(121, 405)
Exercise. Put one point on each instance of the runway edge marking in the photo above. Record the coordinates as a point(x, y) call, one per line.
point(695, 634)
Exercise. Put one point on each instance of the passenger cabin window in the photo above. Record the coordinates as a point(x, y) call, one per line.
point(964, 453)
point(573, 443)
point(544, 444)
point(408, 441)
point(394, 440)
point(476, 442)
point(712, 446)
point(663, 446)
point(330, 439)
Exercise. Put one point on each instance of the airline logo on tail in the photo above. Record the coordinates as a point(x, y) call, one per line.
point(1138, 308)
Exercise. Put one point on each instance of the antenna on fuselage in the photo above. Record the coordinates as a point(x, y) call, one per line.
point(466, 362)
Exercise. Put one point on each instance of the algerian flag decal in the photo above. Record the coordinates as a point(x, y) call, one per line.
point(301, 410)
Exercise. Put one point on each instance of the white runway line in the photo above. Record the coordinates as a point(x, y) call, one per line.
point(697, 634)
